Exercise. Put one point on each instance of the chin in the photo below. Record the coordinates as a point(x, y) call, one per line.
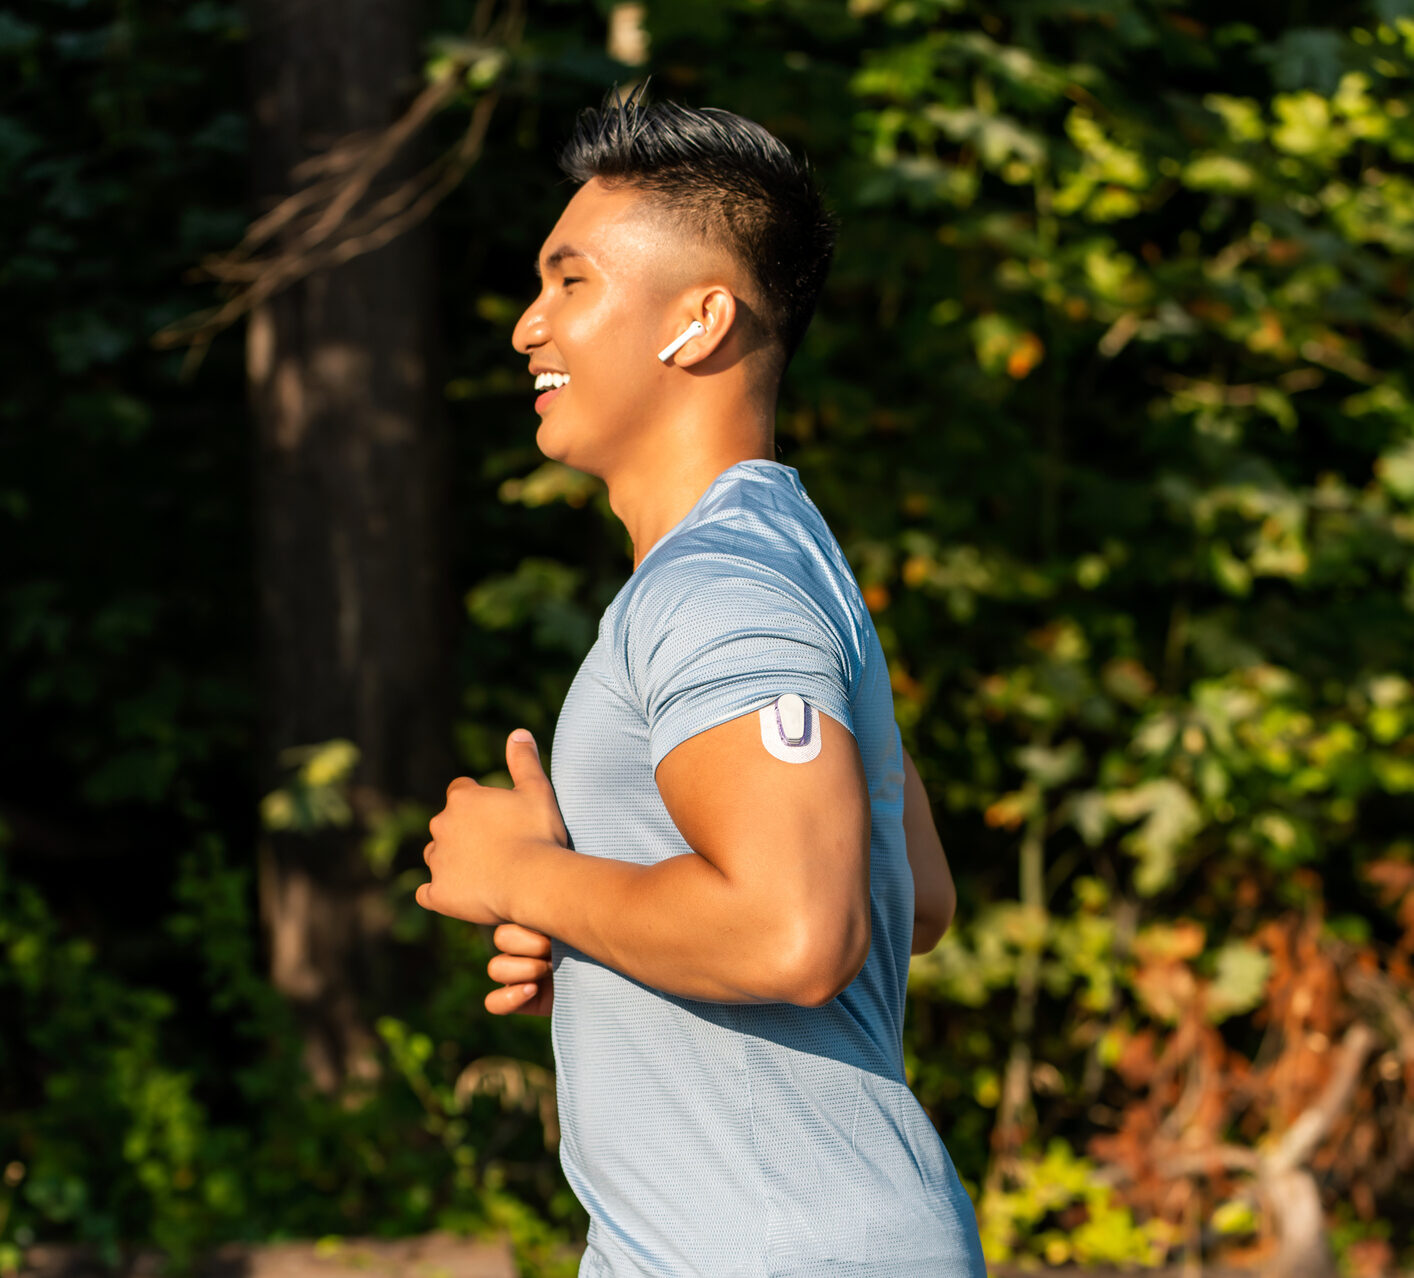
point(552, 442)
point(558, 444)
point(545, 441)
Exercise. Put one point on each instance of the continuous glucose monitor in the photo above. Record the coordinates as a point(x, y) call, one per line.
point(790, 729)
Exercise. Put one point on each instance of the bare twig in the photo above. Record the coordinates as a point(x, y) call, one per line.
point(331, 221)
point(1206, 1161)
point(1300, 1140)
point(1241, 396)
point(1377, 989)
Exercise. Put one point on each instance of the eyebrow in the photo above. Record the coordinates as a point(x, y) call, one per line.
point(558, 256)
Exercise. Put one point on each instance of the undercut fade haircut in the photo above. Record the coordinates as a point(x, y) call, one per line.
point(728, 180)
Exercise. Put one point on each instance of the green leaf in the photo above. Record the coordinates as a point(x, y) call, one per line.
point(1218, 172)
point(1089, 814)
point(1239, 980)
point(1052, 766)
point(1304, 126)
point(1306, 58)
point(1395, 469)
point(17, 144)
point(1242, 117)
point(1169, 818)
point(16, 35)
point(82, 338)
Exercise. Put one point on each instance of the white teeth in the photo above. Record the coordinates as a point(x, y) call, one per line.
point(544, 381)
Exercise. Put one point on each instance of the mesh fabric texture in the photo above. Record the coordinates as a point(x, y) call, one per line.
point(742, 1139)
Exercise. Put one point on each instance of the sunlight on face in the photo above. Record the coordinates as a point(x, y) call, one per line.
point(614, 275)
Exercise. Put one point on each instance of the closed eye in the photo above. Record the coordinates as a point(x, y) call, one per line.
point(573, 279)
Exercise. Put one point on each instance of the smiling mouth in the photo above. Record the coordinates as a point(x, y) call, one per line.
point(551, 384)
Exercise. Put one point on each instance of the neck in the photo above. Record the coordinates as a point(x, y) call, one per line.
point(652, 492)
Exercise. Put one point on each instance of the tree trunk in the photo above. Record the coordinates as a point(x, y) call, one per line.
point(1303, 1249)
point(356, 610)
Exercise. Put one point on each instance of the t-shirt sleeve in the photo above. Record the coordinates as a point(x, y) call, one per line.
point(713, 639)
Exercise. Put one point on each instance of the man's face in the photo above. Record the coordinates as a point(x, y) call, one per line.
point(613, 274)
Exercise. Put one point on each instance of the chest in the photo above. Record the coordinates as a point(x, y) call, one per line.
point(600, 766)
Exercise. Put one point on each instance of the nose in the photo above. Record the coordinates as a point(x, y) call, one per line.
point(530, 330)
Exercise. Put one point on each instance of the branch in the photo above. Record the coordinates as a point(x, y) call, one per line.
point(1241, 396)
point(318, 223)
point(1220, 1157)
point(1301, 1139)
point(1377, 989)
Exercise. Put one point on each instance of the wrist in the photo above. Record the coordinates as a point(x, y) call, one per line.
point(519, 870)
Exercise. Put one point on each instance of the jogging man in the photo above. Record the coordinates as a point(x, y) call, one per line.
point(736, 857)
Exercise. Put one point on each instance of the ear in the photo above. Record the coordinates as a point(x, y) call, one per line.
point(716, 310)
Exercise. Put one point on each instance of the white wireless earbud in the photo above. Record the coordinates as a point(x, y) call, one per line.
point(694, 329)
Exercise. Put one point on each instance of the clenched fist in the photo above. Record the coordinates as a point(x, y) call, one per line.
point(484, 832)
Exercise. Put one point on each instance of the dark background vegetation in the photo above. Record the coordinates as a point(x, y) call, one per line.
point(1108, 403)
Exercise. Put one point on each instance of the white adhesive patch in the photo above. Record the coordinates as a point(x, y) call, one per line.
point(790, 729)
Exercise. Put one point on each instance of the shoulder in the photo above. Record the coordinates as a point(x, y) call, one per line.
point(762, 508)
point(754, 537)
point(757, 556)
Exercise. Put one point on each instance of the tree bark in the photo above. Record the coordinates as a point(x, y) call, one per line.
point(1303, 1248)
point(356, 610)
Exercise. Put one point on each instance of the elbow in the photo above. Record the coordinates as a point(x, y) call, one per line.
point(942, 919)
point(949, 909)
point(926, 934)
point(822, 964)
point(930, 926)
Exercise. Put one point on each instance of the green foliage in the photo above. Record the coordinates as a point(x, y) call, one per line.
point(1025, 1221)
point(114, 1142)
point(317, 793)
point(122, 135)
point(103, 1131)
point(1108, 401)
point(540, 592)
point(152, 1088)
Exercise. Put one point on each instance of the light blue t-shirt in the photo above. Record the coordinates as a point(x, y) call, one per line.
point(730, 1139)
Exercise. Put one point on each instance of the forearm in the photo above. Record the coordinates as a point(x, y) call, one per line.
point(680, 926)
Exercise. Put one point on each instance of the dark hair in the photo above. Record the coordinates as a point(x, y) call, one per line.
point(728, 180)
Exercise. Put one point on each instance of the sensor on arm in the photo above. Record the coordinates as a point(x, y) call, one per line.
point(790, 729)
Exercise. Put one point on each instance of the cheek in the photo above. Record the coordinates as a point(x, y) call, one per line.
point(610, 354)
point(604, 337)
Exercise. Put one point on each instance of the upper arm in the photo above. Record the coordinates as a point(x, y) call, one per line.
point(712, 638)
point(792, 839)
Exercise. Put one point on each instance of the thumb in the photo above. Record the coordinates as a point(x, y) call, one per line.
point(523, 760)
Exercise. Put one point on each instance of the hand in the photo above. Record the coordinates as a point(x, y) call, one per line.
point(483, 834)
point(523, 968)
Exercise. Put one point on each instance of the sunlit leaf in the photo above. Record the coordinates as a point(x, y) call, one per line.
point(1239, 980)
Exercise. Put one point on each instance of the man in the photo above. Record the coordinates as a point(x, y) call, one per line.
point(722, 919)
